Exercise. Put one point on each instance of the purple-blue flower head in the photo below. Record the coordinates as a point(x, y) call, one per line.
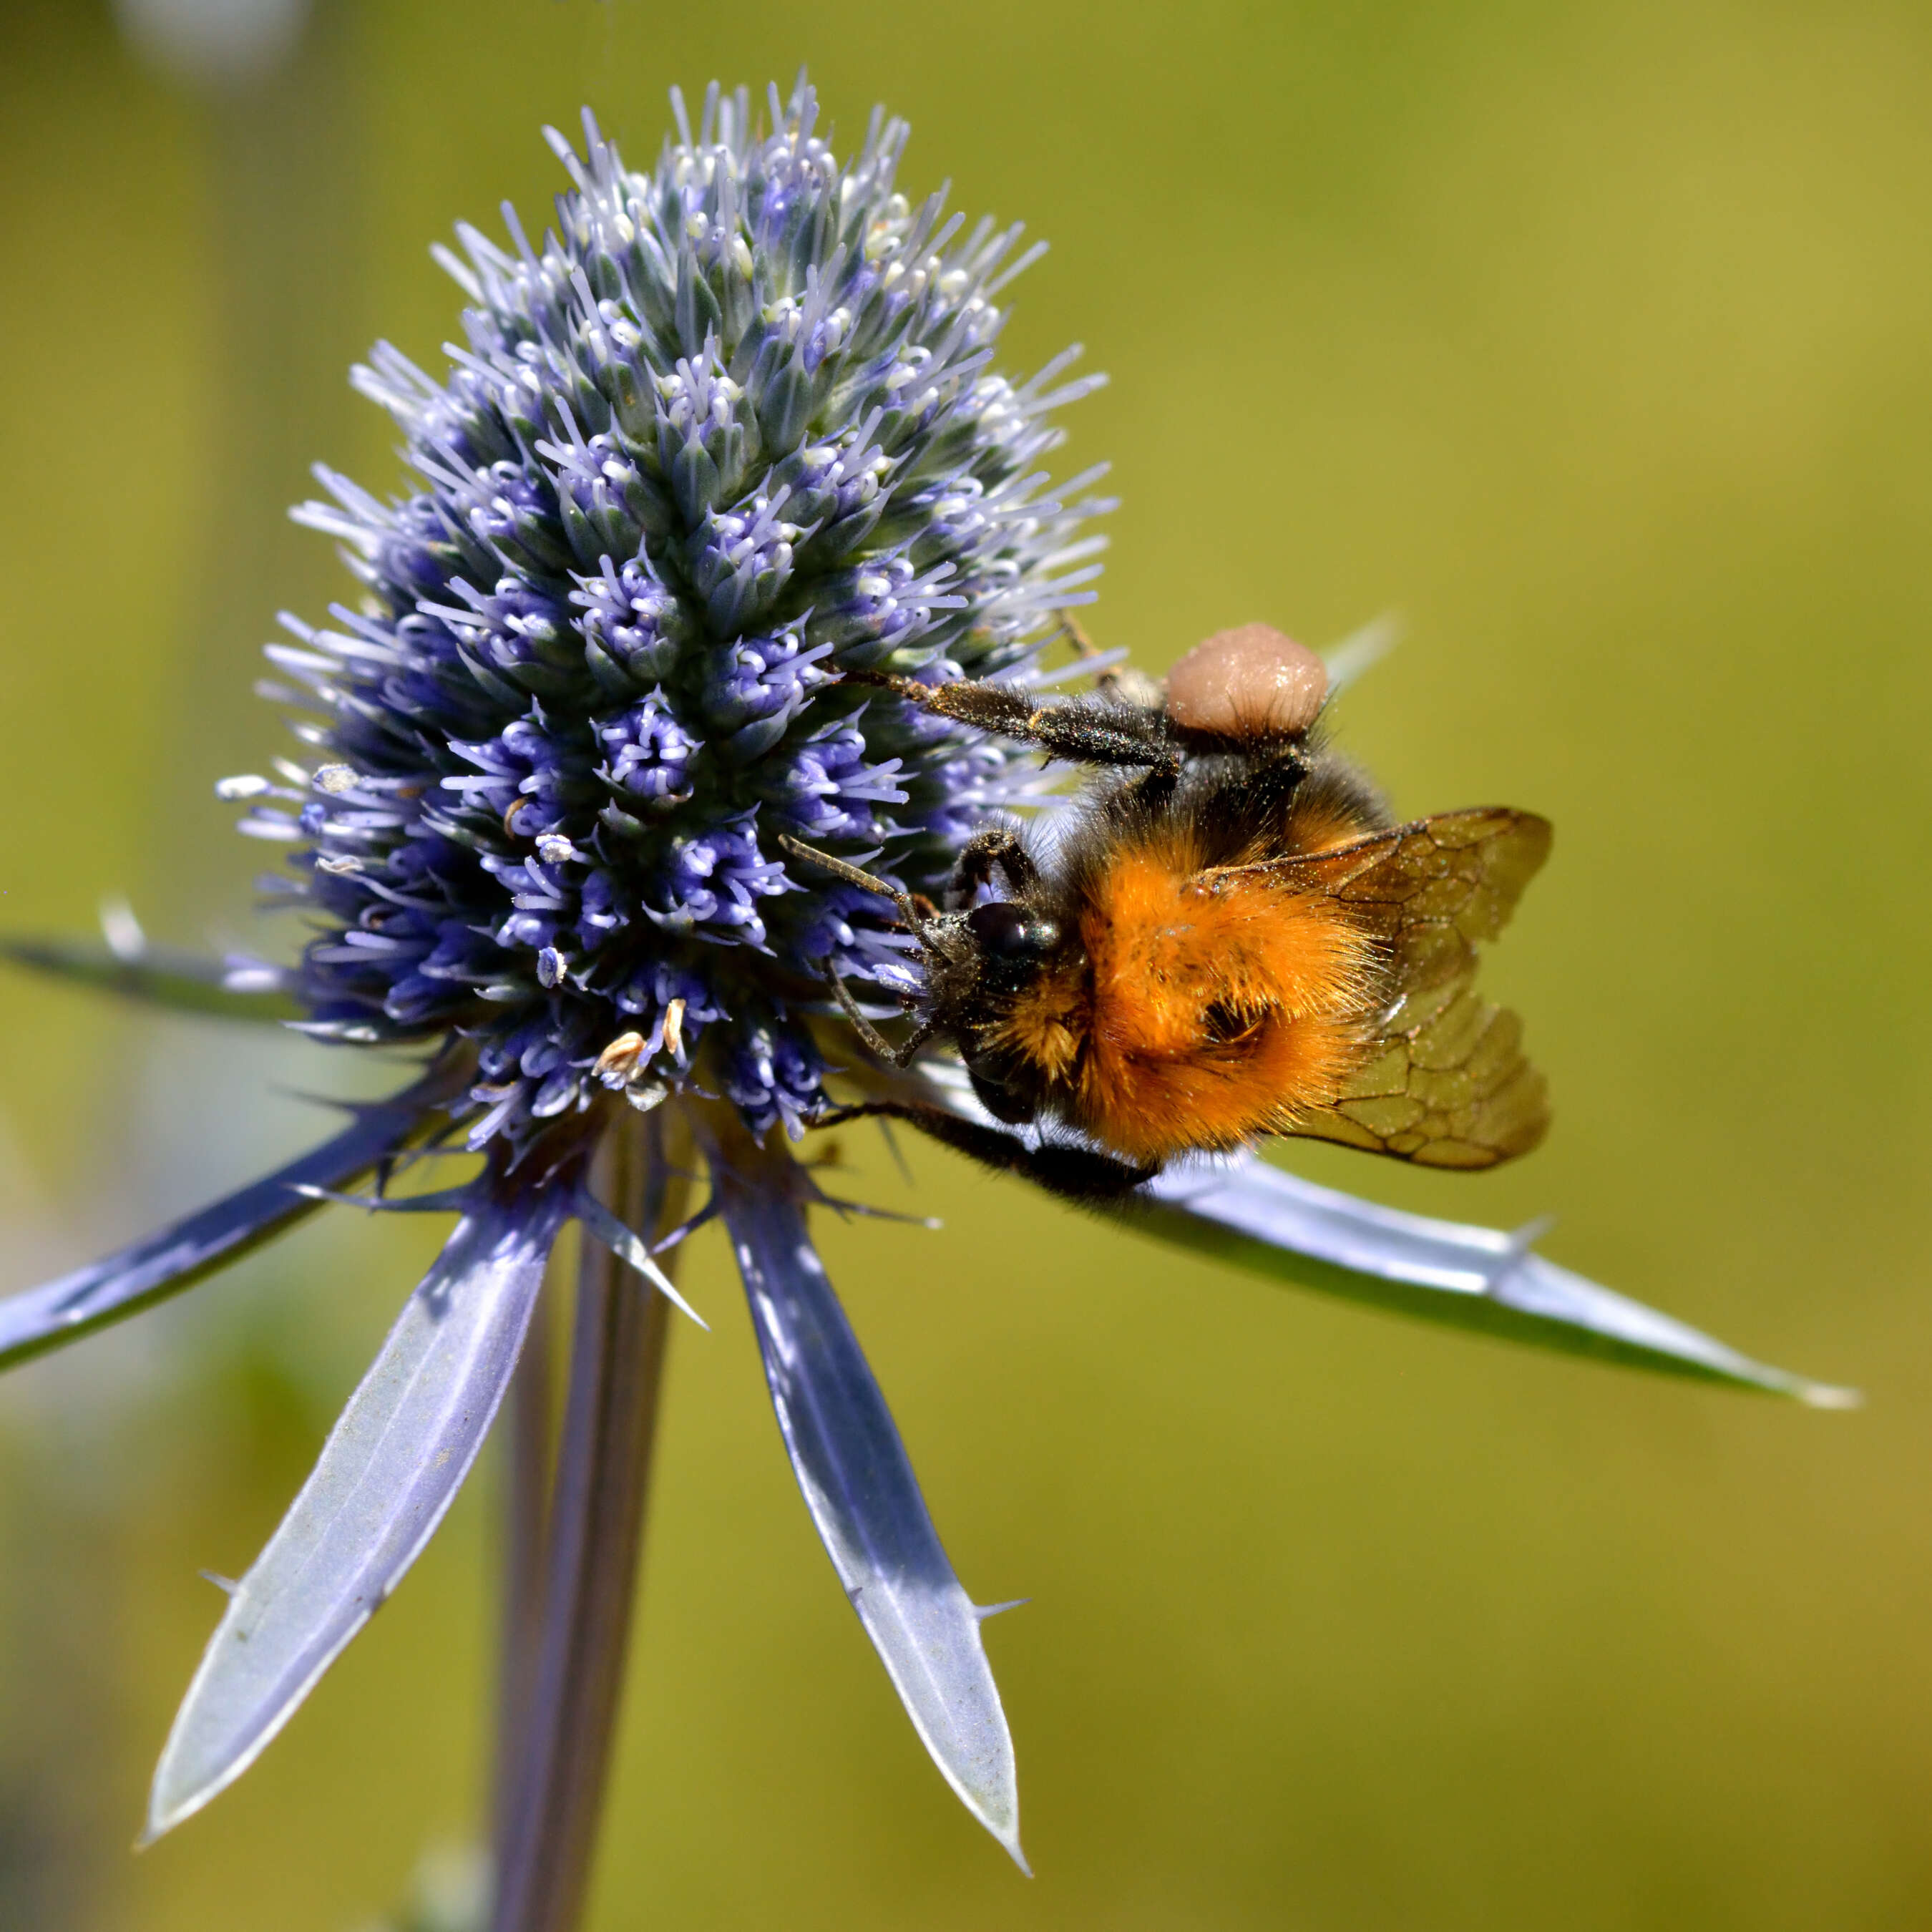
point(729, 432)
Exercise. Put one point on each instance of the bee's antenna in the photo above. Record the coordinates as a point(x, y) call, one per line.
point(840, 868)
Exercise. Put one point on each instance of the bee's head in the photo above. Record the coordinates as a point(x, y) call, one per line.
point(1010, 939)
point(987, 964)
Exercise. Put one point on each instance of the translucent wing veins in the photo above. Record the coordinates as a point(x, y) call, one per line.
point(1444, 1083)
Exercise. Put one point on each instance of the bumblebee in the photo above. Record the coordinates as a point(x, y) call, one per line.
point(1228, 938)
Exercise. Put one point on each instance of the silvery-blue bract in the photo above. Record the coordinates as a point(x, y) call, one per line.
point(733, 429)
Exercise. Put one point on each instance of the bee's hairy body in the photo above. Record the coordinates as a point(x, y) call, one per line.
point(1228, 937)
point(1186, 1003)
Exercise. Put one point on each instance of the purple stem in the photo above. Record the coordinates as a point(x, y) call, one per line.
point(531, 1421)
point(552, 1790)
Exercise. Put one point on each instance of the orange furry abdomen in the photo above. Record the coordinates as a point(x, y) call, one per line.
point(1217, 1007)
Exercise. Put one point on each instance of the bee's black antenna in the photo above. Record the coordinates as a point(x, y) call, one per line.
point(840, 868)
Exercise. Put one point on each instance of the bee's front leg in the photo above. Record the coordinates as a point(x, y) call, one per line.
point(995, 847)
point(900, 1055)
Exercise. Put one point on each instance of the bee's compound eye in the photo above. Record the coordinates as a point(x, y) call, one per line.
point(1247, 683)
point(1005, 931)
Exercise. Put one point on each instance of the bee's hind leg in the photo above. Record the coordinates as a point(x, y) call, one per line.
point(1083, 731)
point(1073, 1173)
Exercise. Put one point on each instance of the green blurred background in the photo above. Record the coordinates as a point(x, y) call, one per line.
point(1593, 340)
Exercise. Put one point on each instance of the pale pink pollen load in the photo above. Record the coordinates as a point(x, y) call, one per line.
point(1249, 682)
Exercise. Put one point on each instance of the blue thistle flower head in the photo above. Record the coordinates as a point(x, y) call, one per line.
point(733, 428)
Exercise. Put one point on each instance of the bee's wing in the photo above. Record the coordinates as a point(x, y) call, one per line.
point(1445, 1084)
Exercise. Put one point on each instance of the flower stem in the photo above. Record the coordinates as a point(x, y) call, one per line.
point(558, 1751)
point(527, 1503)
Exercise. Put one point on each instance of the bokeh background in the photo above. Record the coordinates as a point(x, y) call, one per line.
point(1592, 338)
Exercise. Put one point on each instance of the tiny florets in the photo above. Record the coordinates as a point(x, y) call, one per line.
point(730, 433)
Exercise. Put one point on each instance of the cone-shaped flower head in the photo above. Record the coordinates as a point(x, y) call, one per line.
point(732, 430)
